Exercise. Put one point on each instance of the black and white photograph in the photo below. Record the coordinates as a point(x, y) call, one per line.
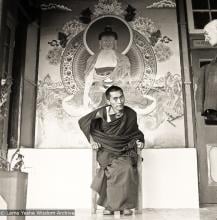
point(108, 109)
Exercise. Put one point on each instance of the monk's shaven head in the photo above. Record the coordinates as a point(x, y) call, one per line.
point(112, 89)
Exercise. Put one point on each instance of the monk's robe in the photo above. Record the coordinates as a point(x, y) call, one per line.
point(117, 179)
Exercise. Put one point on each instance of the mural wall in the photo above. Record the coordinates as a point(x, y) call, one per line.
point(146, 64)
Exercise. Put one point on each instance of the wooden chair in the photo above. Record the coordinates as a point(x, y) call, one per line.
point(138, 209)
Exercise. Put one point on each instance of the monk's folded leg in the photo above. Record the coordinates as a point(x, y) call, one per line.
point(122, 185)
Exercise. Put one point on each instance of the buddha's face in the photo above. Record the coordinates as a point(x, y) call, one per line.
point(210, 33)
point(107, 42)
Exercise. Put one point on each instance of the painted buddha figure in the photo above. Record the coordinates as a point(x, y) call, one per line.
point(105, 68)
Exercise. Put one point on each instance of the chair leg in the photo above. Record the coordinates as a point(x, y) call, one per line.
point(94, 194)
point(93, 205)
point(138, 209)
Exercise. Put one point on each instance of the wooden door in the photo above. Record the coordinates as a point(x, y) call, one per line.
point(206, 137)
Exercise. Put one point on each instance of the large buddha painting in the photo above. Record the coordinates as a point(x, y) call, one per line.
point(108, 46)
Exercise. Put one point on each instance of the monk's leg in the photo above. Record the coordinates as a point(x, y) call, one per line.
point(122, 185)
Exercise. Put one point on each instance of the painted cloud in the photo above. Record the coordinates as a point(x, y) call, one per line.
point(163, 4)
point(52, 6)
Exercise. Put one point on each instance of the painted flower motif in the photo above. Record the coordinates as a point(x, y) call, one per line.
point(108, 7)
point(145, 26)
point(73, 27)
point(173, 89)
point(54, 55)
point(50, 95)
point(162, 52)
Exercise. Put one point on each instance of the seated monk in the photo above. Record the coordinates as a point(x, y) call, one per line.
point(114, 132)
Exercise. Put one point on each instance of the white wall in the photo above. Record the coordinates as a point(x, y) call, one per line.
point(3, 205)
point(61, 178)
point(170, 178)
point(58, 178)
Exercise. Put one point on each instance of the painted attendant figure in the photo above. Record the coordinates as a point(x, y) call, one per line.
point(113, 131)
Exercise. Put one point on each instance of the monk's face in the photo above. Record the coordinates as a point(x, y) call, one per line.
point(210, 33)
point(107, 42)
point(116, 100)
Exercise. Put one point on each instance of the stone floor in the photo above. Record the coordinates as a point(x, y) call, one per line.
point(205, 213)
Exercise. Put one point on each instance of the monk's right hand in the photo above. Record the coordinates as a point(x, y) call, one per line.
point(95, 145)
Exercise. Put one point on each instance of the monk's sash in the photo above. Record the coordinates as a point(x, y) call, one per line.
point(117, 136)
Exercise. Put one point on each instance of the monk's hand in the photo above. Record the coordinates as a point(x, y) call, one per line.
point(140, 144)
point(95, 145)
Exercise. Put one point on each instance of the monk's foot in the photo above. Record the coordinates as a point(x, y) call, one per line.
point(127, 212)
point(107, 212)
